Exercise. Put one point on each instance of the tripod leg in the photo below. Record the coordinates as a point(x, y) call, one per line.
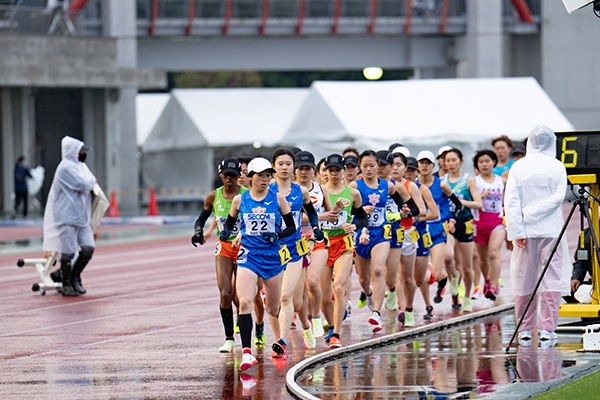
point(554, 248)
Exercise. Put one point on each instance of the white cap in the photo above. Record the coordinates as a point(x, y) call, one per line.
point(259, 164)
point(442, 150)
point(426, 154)
point(401, 149)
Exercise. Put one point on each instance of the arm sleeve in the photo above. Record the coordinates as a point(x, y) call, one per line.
point(398, 200)
point(456, 201)
point(290, 226)
point(414, 210)
point(361, 217)
point(204, 214)
point(313, 217)
point(229, 223)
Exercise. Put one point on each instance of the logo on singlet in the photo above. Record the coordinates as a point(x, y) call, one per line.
point(346, 202)
point(259, 210)
point(374, 199)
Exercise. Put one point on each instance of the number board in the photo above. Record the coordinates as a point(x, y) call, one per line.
point(579, 151)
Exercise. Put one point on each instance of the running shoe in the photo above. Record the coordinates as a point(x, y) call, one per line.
point(401, 317)
point(476, 293)
point(454, 285)
point(390, 300)
point(317, 327)
point(525, 335)
point(309, 339)
point(248, 382)
point(492, 294)
point(248, 360)
point(236, 328)
point(362, 300)
point(376, 320)
point(433, 276)
point(279, 349)
point(263, 296)
point(486, 288)
point(260, 337)
point(430, 313)
point(547, 335)
point(294, 321)
point(227, 347)
point(547, 344)
point(370, 303)
point(349, 307)
point(500, 282)
point(455, 302)
point(439, 294)
point(409, 319)
point(335, 343)
point(329, 335)
point(467, 304)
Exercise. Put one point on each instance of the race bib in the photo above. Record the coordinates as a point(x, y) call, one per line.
point(387, 231)
point(349, 242)
point(391, 206)
point(297, 219)
point(469, 227)
point(427, 240)
point(221, 224)
point(400, 235)
point(242, 255)
point(302, 246)
point(257, 224)
point(414, 235)
point(341, 219)
point(377, 217)
point(284, 255)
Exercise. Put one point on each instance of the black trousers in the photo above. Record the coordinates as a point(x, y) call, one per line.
point(21, 196)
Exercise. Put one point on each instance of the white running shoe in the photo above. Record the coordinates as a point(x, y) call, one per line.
point(547, 335)
point(467, 304)
point(317, 327)
point(376, 320)
point(227, 347)
point(309, 339)
point(390, 300)
point(248, 361)
point(525, 335)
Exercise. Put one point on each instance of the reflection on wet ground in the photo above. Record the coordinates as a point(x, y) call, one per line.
point(469, 362)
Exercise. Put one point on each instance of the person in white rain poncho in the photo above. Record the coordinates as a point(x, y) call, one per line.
point(67, 214)
point(535, 191)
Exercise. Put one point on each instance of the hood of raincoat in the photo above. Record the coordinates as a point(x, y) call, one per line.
point(542, 140)
point(70, 148)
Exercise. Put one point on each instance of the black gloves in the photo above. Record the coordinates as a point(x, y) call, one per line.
point(224, 235)
point(270, 237)
point(318, 234)
point(198, 237)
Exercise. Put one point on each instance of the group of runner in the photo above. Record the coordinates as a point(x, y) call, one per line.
point(290, 230)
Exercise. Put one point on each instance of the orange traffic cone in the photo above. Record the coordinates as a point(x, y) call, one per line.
point(152, 204)
point(113, 211)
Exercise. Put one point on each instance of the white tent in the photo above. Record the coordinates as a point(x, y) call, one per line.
point(148, 106)
point(178, 151)
point(420, 114)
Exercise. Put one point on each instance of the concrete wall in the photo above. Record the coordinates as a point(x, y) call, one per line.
point(570, 53)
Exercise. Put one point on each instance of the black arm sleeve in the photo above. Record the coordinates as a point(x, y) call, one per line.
point(204, 214)
point(456, 201)
point(414, 210)
point(398, 200)
point(361, 217)
point(290, 226)
point(229, 223)
point(313, 217)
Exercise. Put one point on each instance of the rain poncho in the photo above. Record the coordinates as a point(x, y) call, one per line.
point(535, 191)
point(69, 200)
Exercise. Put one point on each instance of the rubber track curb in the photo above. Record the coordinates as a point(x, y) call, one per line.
point(296, 371)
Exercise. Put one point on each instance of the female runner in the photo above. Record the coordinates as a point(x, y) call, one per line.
point(292, 291)
point(341, 244)
point(371, 258)
point(489, 225)
point(261, 255)
point(465, 189)
point(305, 177)
point(219, 202)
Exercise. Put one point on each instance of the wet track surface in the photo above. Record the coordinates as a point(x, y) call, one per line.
point(149, 327)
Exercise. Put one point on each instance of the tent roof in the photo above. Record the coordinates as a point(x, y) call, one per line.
point(424, 111)
point(149, 106)
point(226, 117)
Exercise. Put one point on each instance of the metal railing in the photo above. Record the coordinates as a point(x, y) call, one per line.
point(275, 17)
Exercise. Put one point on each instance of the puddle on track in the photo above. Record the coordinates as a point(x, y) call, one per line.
point(467, 362)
